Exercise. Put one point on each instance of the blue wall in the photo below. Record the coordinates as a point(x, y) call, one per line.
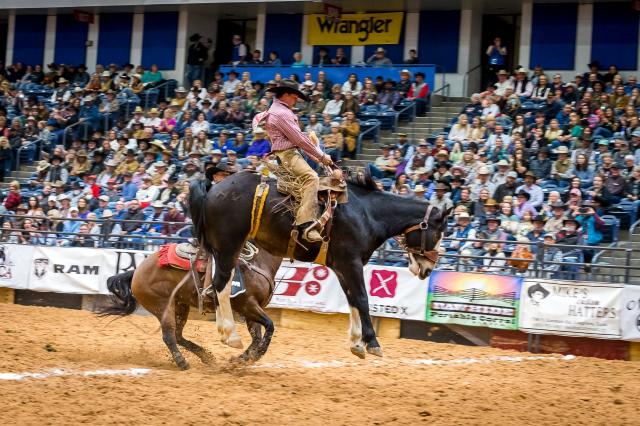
point(28, 41)
point(283, 33)
point(553, 35)
point(71, 37)
point(439, 38)
point(395, 52)
point(114, 41)
point(159, 39)
point(614, 40)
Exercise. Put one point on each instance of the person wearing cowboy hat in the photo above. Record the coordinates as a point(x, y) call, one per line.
point(523, 204)
point(561, 168)
point(159, 174)
point(57, 172)
point(482, 182)
point(536, 196)
point(287, 139)
point(217, 172)
point(378, 59)
point(440, 198)
point(62, 91)
point(197, 55)
point(42, 170)
point(503, 83)
point(130, 163)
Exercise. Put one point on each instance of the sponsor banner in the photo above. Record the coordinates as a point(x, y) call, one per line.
point(15, 264)
point(480, 300)
point(308, 287)
point(67, 270)
point(395, 292)
point(630, 313)
point(571, 308)
point(356, 29)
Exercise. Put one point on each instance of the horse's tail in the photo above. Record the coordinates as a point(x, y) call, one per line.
point(122, 301)
point(197, 195)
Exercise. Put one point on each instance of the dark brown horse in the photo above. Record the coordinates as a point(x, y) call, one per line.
point(222, 221)
point(152, 287)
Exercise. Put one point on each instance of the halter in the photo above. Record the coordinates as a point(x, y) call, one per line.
point(431, 255)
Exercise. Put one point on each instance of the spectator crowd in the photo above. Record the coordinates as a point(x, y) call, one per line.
point(531, 159)
point(104, 149)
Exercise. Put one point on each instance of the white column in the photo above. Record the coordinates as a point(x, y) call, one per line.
point(92, 51)
point(11, 28)
point(181, 43)
point(583, 36)
point(464, 45)
point(136, 38)
point(411, 30)
point(306, 49)
point(357, 54)
point(261, 26)
point(525, 34)
point(50, 40)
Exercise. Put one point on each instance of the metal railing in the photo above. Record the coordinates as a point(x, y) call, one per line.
point(572, 266)
point(444, 89)
point(67, 130)
point(465, 80)
point(33, 143)
point(373, 129)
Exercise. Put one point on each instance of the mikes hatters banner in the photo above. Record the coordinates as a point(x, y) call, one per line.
point(355, 29)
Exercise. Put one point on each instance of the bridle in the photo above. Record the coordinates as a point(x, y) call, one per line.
point(431, 255)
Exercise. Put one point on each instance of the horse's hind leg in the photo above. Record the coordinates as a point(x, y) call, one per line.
point(222, 282)
point(182, 314)
point(168, 325)
point(256, 337)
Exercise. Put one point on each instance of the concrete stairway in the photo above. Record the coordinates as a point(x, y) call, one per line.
point(441, 114)
point(23, 176)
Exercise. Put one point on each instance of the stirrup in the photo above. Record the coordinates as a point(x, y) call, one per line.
point(208, 291)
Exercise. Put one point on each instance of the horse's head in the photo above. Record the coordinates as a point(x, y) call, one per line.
point(422, 241)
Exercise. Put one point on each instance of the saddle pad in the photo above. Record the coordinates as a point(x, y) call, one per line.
point(168, 257)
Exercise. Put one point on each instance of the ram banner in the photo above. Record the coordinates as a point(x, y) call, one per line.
point(356, 29)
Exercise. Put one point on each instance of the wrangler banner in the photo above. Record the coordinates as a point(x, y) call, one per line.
point(480, 300)
point(357, 29)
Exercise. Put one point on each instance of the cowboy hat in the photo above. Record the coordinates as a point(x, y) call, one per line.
point(220, 167)
point(62, 80)
point(491, 202)
point(464, 215)
point(157, 204)
point(107, 213)
point(521, 71)
point(105, 74)
point(441, 187)
point(287, 86)
point(561, 150)
point(42, 165)
point(493, 218)
point(419, 188)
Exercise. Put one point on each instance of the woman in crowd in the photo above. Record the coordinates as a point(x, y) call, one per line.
point(352, 85)
point(460, 131)
point(80, 163)
point(350, 104)
point(478, 132)
point(153, 75)
point(201, 124)
point(33, 206)
point(457, 153)
point(13, 199)
point(509, 221)
point(582, 170)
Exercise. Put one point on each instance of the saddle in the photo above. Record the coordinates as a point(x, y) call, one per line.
point(179, 256)
point(287, 184)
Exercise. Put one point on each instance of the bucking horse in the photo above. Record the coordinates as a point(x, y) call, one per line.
point(225, 215)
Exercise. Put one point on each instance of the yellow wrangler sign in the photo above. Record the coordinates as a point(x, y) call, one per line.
point(356, 29)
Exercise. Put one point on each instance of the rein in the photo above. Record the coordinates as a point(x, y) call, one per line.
point(431, 255)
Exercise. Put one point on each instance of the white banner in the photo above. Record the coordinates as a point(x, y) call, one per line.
point(308, 287)
point(571, 308)
point(393, 292)
point(15, 265)
point(630, 317)
point(67, 270)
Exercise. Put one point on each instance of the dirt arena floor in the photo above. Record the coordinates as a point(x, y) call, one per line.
point(68, 367)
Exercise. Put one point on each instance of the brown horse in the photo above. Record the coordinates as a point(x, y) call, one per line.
point(152, 287)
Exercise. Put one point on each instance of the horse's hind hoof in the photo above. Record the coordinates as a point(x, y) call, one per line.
point(358, 351)
point(377, 351)
point(235, 342)
point(183, 365)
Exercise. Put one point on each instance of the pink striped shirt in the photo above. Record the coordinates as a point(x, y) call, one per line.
point(284, 131)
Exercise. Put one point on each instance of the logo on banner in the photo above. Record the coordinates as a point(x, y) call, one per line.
point(383, 283)
point(537, 293)
point(292, 285)
point(357, 29)
point(40, 267)
point(5, 264)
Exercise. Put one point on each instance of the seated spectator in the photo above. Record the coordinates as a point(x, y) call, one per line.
point(259, 146)
point(561, 169)
point(378, 59)
point(174, 220)
point(494, 260)
point(340, 58)
point(334, 106)
point(352, 85)
point(274, 59)
point(153, 75)
point(523, 204)
point(536, 196)
point(84, 238)
point(389, 96)
point(460, 131)
point(419, 93)
point(334, 142)
point(350, 129)
point(298, 61)
point(81, 164)
point(350, 104)
point(482, 182)
point(440, 198)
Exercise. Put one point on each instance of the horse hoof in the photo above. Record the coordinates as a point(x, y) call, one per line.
point(207, 358)
point(377, 351)
point(358, 351)
point(235, 342)
point(183, 364)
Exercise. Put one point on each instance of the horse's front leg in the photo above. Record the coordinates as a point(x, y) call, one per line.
point(361, 331)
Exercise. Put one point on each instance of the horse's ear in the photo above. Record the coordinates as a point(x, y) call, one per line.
point(447, 212)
